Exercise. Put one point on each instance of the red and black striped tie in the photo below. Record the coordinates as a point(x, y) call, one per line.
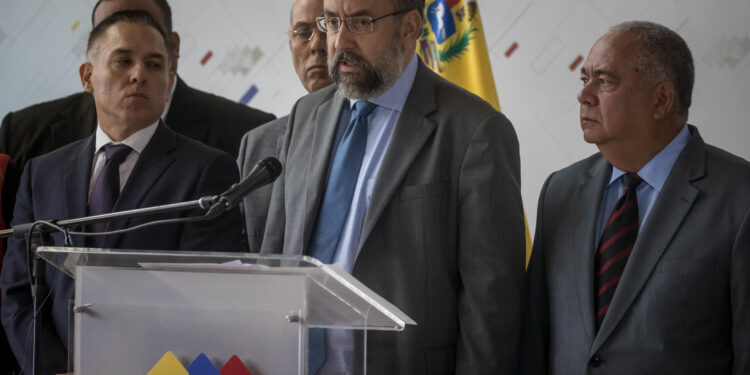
point(615, 246)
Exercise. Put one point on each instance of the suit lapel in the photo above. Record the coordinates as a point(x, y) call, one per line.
point(591, 187)
point(75, 183)
point(151, 164)
point(325, 120)
point(669, 211)
point(411, 132)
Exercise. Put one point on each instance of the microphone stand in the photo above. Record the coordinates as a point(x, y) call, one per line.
point(38, 233)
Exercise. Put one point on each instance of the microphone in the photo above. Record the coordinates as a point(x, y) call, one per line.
point(263, 173)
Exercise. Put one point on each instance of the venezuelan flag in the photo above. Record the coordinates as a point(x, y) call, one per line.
point(453, 46)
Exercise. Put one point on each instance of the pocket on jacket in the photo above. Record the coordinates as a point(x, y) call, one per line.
point(702, 264)
point(423, 206)
point(414, 192)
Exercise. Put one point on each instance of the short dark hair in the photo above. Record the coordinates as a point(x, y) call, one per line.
point(663, 56)
point(130, 16)
point(409, 4)
point(166, 12)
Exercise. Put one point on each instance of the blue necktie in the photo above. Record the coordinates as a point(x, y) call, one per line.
point(335, 208)
point(107, 186)
point(341, 183)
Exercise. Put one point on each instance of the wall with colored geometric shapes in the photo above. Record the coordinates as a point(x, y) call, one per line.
point(239, 49)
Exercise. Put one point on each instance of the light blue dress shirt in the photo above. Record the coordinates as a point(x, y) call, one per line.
point(380, 125)
point(654, 173)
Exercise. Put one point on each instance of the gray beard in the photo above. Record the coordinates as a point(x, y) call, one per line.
point(377, 79)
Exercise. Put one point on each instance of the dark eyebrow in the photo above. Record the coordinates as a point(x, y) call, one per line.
point(125, 51)
point(603, 72)
point(358, 13)
point(120, 51)
point(599, 72)
point(156, 55)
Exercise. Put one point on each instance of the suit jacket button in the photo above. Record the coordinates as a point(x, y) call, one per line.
point(596, 361)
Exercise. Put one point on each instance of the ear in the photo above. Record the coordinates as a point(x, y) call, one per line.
point(174, 40)
point(85, 72)
point(411, 25)
point(665, 100)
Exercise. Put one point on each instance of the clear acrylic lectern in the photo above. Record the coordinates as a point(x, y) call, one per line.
point(132, 306)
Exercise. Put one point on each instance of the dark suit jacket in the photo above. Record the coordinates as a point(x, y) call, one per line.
point(258, 144)
point(41, 128)
point(172, 168)
point(682, 305)
point(443, 237)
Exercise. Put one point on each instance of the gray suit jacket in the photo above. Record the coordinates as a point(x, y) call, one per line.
point(256, 145)
point(443, 237)
point(683, 303)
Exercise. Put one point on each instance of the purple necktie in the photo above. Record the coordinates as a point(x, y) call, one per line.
point(107, 187)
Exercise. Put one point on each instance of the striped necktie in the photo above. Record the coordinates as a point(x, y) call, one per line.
point(615, 246)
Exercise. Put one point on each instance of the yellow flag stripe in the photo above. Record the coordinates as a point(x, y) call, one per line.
point(453, 45)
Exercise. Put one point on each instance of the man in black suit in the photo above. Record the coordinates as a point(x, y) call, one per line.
point(128, 74)
point(44, 127)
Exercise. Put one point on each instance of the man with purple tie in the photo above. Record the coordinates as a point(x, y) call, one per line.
point(132, 160)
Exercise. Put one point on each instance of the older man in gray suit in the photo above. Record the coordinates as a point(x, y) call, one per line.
point(308, 47)
point(641, 261)
point(411, 184)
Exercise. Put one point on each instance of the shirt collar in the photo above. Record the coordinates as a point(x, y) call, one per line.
point(395, 97)
point(656, 171)
point(137, 141)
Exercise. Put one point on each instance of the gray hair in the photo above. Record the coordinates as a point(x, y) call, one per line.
point(662, 56)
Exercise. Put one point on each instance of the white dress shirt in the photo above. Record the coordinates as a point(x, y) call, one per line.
point(137, 141)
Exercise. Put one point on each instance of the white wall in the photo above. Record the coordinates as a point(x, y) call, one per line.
point(41, 49)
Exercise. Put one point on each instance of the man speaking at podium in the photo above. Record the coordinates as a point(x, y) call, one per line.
point(411, 184)
point(131, 161)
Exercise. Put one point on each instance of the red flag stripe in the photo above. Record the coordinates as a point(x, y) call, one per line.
point(575, 63)
point(512, 49)
point(206, 57)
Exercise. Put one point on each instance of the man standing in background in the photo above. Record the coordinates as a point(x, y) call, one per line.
point(132, 160)
point(36, 130)
point(308, 47)
point(642, 251)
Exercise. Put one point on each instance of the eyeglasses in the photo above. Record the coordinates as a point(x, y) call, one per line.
point(303, 32)
point(357, 24)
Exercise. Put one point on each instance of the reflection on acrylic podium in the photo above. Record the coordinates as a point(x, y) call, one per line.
point(132, 306)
